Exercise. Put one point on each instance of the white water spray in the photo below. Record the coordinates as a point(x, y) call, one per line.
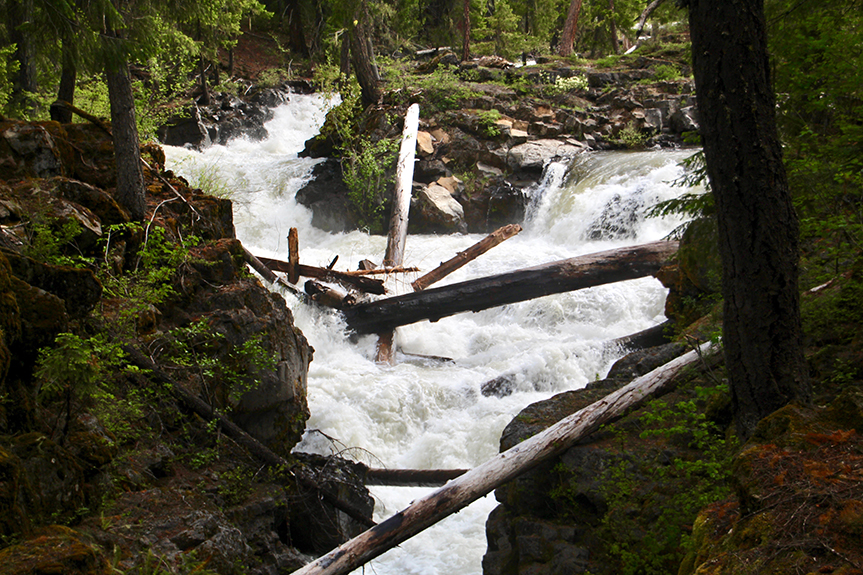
point(423, 413)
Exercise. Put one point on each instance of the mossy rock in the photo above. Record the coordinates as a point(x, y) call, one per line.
point(55, 550)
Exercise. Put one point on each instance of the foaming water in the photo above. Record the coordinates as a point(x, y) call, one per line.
point(424, 412)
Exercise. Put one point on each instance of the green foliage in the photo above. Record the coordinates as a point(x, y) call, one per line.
point(652, 502)
point(690, 205)
point(225, 371)
point(235, 485)
point(76, 365)
point(8, 69)
point(498, 33)
point(488, 122)
point(367, 173)
point(149, 283)
point(665, 72)
point(631, 137)
point(51, 241)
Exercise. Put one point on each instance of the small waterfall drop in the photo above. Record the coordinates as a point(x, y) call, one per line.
point(423, 413)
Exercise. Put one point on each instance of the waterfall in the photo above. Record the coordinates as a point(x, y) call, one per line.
point(424, 413)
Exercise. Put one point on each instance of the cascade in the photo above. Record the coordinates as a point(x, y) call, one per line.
point(422, 412)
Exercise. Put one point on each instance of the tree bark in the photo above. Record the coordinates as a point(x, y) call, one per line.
point(127, 147)
point(20, 14)
point(642, 20)
point(465, 45)
point(467, 488)
point(567, 37)
point(411, 477)
point(612, 27)
point(758, 229)
point(529, 283)
point(363, 63)
point(66, 90)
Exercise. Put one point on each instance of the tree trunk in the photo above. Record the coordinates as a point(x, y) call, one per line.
point(363, 63)
point(484, 293)
point(66, 90)
point(758, 230)
point(465, 45)
point(567, 37)
point(642, 20)
point(20, 14)
point(467, 488)
point(127, 147)
point(612, 27)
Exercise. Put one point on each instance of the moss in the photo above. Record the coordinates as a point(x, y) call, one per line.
point(55, 550)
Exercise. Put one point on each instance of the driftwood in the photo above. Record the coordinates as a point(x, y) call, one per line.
point(294, 256)
point(469, 487)
point(466, 256)
point(267, 273)
point(410, 477)
point(398, 232)
point(529, 283)
point(255, 447)
point(362, 283)
point(328, 296)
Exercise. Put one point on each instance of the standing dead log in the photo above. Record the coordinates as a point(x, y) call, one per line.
point(293, 256)
point(398, 233)
point(464, 257)
point(528, 283)
point(508, 465)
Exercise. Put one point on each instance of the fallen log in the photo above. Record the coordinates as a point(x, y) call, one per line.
point(508, 465)
point(267, 273)
point(362, 283)
point(327, 296)
point(398, 231)
point(520, 285)
point(410, 477)
point(470, 254)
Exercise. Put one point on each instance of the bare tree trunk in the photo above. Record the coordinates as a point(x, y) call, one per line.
point(612, 27)
point(467, 488)
point(398, 233)
point(66, 90)
point(642, 20)
point(127, 147)
point(567, 37)
point(758, 229)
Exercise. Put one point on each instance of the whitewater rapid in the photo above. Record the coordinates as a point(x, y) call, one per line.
point(426, 413)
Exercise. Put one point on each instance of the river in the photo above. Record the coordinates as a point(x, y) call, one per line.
point(424, 413)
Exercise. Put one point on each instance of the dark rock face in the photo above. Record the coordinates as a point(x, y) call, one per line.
point(327, 196)
point(550, 520)
point(225, 118)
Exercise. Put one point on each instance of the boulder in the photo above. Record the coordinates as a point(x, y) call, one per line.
point(435, 210)
point(533, 156)
point(327, 196)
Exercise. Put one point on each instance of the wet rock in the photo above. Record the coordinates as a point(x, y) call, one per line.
point(327, 196)
point(435, 210)
point(533, 156)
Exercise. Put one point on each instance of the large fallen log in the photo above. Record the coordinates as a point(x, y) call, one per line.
point(508, 465)
point(475, 295)
point(470, 254)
